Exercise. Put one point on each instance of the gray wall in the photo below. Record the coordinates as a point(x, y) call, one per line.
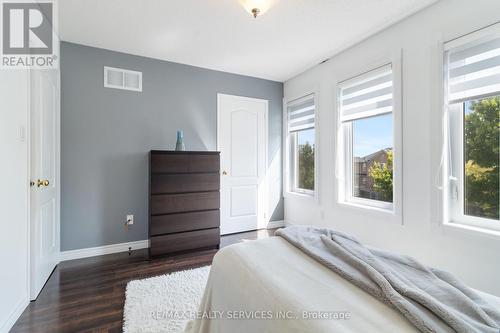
point(106, 135)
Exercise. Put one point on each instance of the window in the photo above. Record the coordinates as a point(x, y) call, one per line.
point(366, 126)
point(301, 138)
point(472, 96)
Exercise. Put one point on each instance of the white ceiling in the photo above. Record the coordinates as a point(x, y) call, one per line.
point(292, 36)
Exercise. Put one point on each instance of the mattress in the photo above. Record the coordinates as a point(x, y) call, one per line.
point(269, 285)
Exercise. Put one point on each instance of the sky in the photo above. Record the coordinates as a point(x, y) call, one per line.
point(372, 134)
point(369, 135)
point(306, 136)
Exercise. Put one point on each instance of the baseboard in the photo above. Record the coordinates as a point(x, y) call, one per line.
point(276, 224)
point(102, 250)
point(123, 247)
point(14, 316)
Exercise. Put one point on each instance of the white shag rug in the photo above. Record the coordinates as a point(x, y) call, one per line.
point(163, 304)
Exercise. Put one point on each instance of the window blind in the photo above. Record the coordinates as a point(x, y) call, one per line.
point(367, 95)
point(473, 69)
point(301, 114)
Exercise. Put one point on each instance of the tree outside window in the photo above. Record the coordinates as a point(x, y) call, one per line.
point(305, 159)
point(481, 158)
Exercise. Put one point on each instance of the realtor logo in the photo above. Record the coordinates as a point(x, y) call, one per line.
point(28, 34)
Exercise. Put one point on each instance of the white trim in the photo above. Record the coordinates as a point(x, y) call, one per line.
point(276, 224)
point(452, 159)
point(347, 195)
point(58, 164)
point(14, 315)
point(476, 36)
point(28, 187)
point(286, 143)
point(29, 260)
point(455, 176)
point(472, 230)
point(343, 169)
point(102, 250)
point(368, 205)
point(438, 151)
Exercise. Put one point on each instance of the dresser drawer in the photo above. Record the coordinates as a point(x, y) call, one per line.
point(204, 163)
point(177, 203)
point(195, 182)
point(184, 163)
point(184, 241)
point(166, 224)
point(169, 163)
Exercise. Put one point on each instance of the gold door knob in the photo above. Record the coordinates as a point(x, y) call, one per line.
point(224, 172)
point(42, 183)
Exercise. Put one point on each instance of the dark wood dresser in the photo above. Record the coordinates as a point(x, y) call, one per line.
point(184, 201)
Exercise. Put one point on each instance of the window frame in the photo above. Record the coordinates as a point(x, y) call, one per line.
point(391, 212)
point(348, 196)
point(290, 188)
point(293, 184)
point(453, 163)
point(455, 174)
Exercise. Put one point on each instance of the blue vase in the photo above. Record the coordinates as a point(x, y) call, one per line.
point(180, 141)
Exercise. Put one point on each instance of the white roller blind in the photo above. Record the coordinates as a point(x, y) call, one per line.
point(367, 95)
point(473, 67)
point(301, 114)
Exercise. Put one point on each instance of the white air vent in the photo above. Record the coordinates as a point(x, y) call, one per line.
point(122, 79)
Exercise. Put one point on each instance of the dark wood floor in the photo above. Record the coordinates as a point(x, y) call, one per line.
point(87, 295)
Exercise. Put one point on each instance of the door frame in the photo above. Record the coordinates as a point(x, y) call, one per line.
point(57, 179)
point(265, 183)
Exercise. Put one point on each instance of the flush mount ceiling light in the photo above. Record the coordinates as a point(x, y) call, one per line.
point(256, 7)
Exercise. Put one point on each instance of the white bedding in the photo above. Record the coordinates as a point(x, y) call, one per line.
point(270, 277)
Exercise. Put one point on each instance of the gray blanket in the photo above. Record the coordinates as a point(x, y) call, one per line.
point(433, 300)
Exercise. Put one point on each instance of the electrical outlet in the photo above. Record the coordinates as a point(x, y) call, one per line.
point(130, 219)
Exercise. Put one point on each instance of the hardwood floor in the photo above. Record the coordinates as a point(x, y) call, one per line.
point(87, 295)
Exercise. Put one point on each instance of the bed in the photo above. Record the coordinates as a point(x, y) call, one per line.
point(275, 287)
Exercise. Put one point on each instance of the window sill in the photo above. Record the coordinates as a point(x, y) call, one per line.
point(299, 195)
point(381, 213)
point(472, 230)
point(367, 207)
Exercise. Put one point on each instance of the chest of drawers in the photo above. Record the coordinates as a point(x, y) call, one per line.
point(184, 201)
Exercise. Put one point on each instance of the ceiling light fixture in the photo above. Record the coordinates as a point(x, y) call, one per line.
point(256, 7)
point(255, 12)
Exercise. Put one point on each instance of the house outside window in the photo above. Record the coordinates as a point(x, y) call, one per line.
point(367, 188)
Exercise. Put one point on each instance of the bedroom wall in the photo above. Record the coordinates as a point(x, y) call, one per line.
point(106, 135)
point(471, 256)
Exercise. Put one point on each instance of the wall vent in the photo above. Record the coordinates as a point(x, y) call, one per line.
point(122, 79)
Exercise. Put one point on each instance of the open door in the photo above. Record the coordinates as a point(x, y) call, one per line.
point(44, 171)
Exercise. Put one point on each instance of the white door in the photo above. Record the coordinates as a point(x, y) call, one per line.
point(242, 142)
point(44, 210)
